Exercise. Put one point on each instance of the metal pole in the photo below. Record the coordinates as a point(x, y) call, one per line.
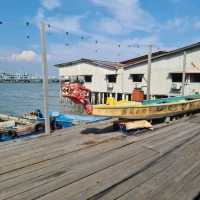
point(184, 72)
point(122, 82)
point(149, 73)
point(45, 76)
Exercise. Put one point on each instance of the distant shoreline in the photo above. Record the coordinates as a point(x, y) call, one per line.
point(27, 81)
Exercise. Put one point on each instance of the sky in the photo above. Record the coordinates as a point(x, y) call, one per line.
point(112, 30)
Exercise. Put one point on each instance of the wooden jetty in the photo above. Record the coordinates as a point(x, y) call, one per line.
point(160, 164)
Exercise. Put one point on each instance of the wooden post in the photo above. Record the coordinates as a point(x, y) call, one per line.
point(45, 76)
point(99, 98)
point(184, 71)
point(149, 73)
point(103, 98)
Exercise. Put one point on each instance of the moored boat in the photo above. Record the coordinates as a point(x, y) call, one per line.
point(12, 127)
point(148, 109)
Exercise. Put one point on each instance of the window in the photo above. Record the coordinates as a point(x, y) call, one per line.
point(111, 78)
point(137, 77)
point(176, 78)
point(88, 79)
point(194, 78)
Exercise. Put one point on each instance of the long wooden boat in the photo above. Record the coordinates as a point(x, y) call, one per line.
point(150, 110)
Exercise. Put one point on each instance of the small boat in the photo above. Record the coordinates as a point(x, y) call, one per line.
point(12, 127)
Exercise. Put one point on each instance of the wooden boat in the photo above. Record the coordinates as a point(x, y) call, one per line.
point(150, 109)
point(18, 126)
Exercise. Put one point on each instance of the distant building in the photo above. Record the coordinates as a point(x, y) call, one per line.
point(23, 78)
point(120, 78)
point(15, 76)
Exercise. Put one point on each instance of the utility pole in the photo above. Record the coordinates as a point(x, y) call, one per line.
point(149, 72)
point(45, 76)
point(184, 72)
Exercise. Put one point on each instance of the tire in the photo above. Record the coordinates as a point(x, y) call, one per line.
point(39, 127)
point(12, 133)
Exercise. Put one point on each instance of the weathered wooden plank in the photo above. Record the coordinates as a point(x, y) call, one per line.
point(32, 148)
point(87, 150)
point(85, 187)
point(143, 175)
point(163, 185)
point(75, 145)
point(57, 136)
point(172, 141)
point(87, 169)
point(104, 170)
point(68, 160)
point(169, 131)
point(190, 190)
point(89, 190)
point(179, 184)
point(19, 159)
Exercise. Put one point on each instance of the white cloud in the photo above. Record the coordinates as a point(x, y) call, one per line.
point(177, 24)
point(65, 23)
point(51, 4)
point(26, 55)
point(60, 23)
point(106, 49)
point(126, 15)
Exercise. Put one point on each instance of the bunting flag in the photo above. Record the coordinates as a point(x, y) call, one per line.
point(76, 38)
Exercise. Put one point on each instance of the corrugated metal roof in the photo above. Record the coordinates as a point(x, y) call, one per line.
point(131, 62)
point(169, 53)
point(100, 63)
point(142, 58)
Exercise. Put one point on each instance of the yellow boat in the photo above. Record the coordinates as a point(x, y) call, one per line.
point(150, 111)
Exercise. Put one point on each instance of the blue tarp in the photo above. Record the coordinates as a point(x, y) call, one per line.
point(83, 118)
point(68, 120)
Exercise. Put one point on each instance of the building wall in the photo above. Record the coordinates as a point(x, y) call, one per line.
point(161, 82)
point(99, 83)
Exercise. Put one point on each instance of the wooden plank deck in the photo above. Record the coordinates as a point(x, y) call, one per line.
point(159, 164)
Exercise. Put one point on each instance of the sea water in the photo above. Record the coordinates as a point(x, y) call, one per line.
point(19, 98)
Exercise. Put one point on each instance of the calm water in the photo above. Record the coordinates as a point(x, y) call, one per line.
point(22, 98)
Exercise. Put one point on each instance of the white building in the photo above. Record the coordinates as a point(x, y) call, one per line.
point(119, 79)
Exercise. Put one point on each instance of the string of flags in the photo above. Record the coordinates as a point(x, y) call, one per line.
point(52, 28)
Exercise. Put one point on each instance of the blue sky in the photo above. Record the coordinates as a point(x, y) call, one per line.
point(99, 29)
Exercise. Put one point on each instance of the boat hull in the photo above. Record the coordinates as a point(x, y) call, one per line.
point(147, 111)
point(19, 126)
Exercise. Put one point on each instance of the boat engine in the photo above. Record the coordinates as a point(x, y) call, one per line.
point(79, 94)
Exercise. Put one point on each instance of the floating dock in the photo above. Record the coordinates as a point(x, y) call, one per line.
point(159, 164)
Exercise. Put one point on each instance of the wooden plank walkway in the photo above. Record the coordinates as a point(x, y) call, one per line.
point(159, 164)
